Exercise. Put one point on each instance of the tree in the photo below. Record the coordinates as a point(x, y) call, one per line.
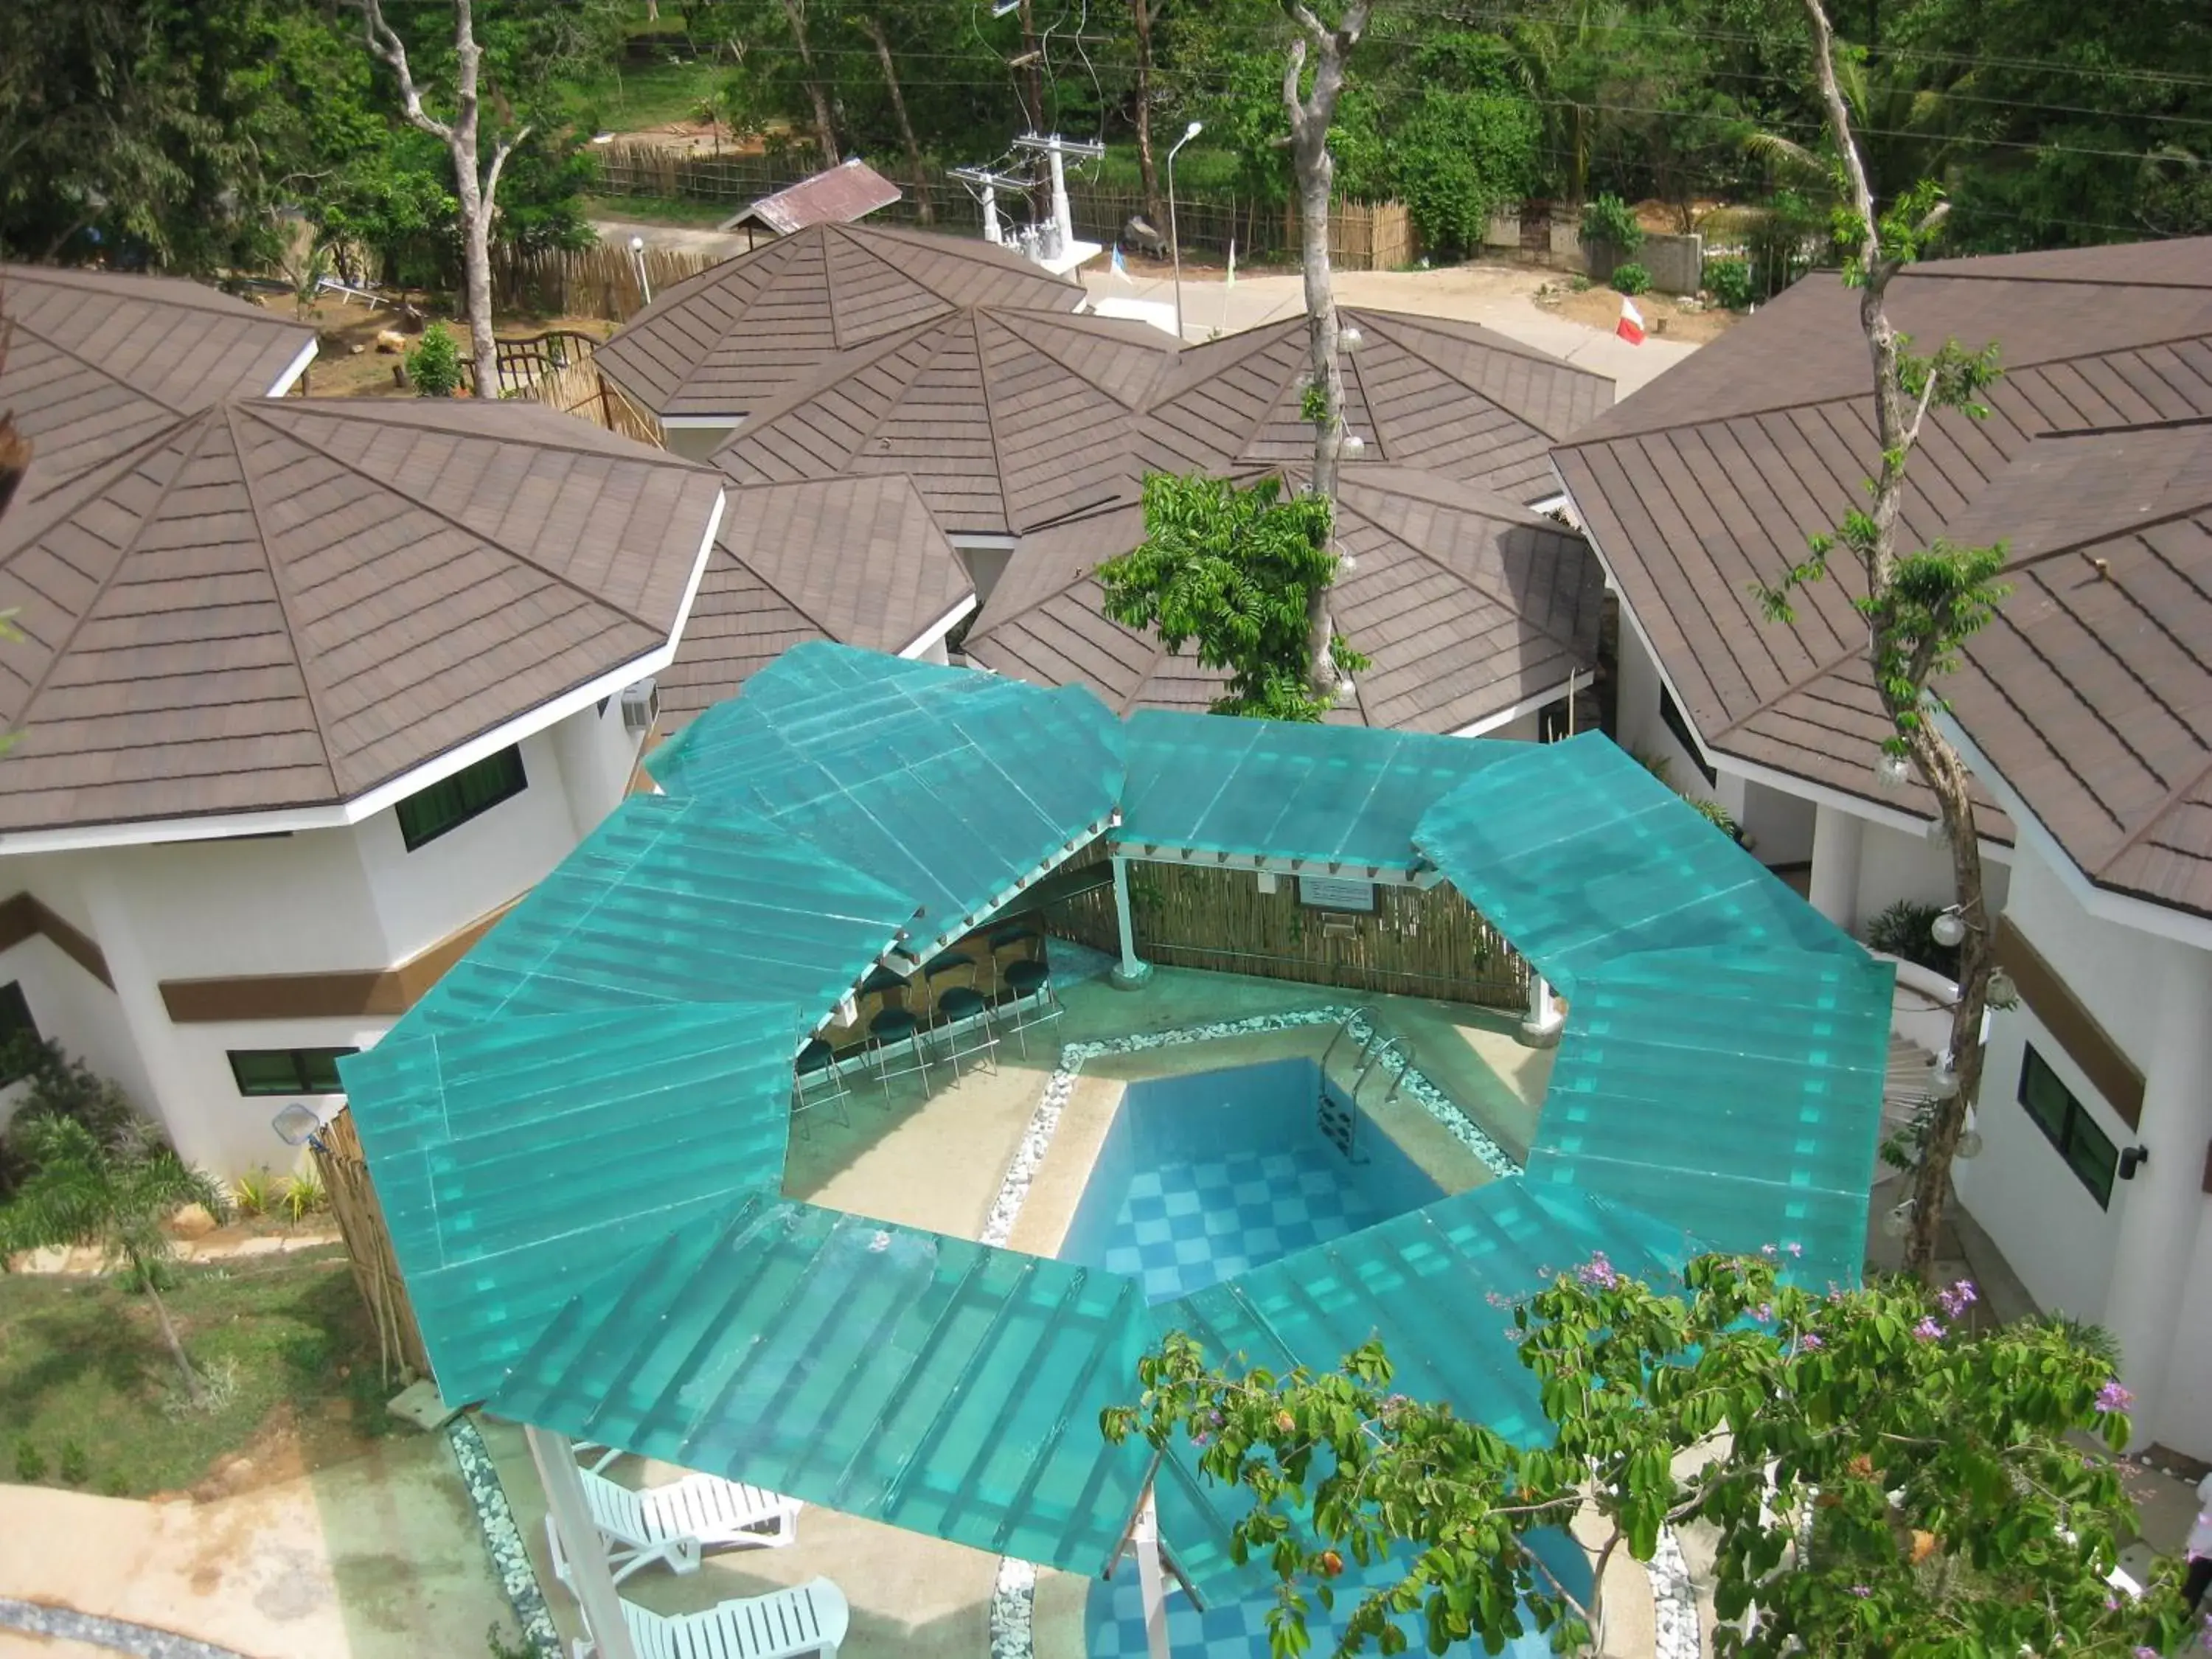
point(1232, 568)
point(1882, 1479)
point(817, 90)
point(872, 26)
point(477, 186)
point(434, 365)
point(1920, 606)
point(1311, 113)
point(112, 1194)
point(1148, 172)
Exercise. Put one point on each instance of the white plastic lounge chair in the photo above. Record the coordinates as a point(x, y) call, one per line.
point(678, 1522)
point(787, 1623)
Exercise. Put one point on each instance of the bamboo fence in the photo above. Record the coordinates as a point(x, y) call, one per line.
point(592, 281)
point(1417, 941)
point(345, 1175)
point(578, 388)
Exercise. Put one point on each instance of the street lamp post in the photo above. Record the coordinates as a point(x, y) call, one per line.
point(1175, 244)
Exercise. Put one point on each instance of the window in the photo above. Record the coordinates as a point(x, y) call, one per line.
point(288, 1071)
point(18, 1032)
point(452, 802)
point(1671, 715)
point(2065, 1123)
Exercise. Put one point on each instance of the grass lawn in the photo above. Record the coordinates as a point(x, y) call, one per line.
point(85, 1376)
point(660, 210)
point(631, 97)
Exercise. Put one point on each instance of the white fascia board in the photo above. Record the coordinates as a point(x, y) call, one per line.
point(983, 543)
point(937, 630)
point(2119, 908)
point(283, 383)
point(1554, 502)
point(698, 423)
point(339, 814)
point(1526, 706)
point(698, 570)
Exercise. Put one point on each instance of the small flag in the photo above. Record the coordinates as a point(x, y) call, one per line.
point(1631, 325)
point(1121, 265)
point(1231, 283)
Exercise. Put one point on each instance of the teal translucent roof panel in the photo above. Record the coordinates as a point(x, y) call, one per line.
point(1579, 855)
point(1334, 794)
point(515, 1159)
point(1437, 1286)
point(1735, 1093)
point(949, 785)
point(671, 902)
point(926, 1381)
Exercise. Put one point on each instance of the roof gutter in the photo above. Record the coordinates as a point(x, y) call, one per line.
point(937, 630)
point(1488, 723)
point(285, 381)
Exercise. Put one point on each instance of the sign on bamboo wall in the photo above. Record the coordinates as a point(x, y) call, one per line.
point(1415, 942)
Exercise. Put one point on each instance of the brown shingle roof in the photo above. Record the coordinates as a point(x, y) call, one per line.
point(835, 195)
point(1449, 398)
point(98, 362)
point(854, 560)
point(1714, 476)
point(281, 603)
point(736, 336)
point(1004, 420)
point(1468, 603)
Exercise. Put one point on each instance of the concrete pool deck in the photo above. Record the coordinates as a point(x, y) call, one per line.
point(939, 1161)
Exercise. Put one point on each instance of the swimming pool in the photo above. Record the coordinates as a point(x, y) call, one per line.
point(1201, 1176)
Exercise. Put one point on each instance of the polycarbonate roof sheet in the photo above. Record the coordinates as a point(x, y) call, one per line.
point(1580, 856)
point(929, 1382)
point(514, 1159)
point(677, 900)
point(951, 786)
point(1249, 788)
point(1739, 1094)
point(1437, 1287)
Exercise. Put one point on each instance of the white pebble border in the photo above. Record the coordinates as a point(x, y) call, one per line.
point(116, 1635)
point(1013, 1598)
point(510, 1561)
point(1674, 1600)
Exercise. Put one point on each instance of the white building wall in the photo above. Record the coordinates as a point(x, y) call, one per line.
point(1636, 706)
point(228, 1132)
point(596, 756)
point(72, 1008)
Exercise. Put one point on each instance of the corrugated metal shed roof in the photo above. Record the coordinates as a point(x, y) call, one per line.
point(835, 195)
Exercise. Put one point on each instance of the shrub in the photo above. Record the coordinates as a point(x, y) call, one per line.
point(1902, 930)
point(1611, 222)
point(304, 1195)
point(30, 1462)
point(434, 365)
point(1728, 280)
point(253, 1193)
point(1716, 815)
point(58, 1084)
point(1631, 278)
point(75, 1463)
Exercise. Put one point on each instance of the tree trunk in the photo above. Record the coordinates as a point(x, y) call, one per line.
point(825, 126)
point(193, 1391)
point(875, 32)
point(1032, 71)
point(1316, 174)
point(1148, 171)
point(476, 269)
point(1897, 422)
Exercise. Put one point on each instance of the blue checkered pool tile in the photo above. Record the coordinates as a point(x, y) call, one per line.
point(1184, 1226)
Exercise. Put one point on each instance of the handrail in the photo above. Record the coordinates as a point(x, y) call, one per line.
point(1403, 1049)
point(1344, 1029)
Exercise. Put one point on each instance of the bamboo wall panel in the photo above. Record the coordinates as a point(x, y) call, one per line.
point(345, 1175)
point(590, 281)
point(1422, 943)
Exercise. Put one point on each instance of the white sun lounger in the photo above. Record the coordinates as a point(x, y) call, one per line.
point(678, 1522)
point(787, 1623)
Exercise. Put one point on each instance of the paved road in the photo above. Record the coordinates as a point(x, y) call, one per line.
point(1496, 296)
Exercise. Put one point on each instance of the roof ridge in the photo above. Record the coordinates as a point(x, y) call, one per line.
point(122, 557)
point(754, 571)
point(975, 316)
point(247, 406)
point(364, 409)
point(2111, 533)
point(999, 315)
point(292, 624)
point(1504, 344)
point(108, 375)
point(830, 287)
point(1803, 683)
point(1480, 583)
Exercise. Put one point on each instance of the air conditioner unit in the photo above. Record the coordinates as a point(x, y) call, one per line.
point(641, 706)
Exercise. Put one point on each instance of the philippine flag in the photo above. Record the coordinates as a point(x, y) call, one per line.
point(1631, 325)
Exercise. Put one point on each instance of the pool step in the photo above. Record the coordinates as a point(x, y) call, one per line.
point(1339, 1124)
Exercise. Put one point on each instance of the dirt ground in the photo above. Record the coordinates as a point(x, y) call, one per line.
point(356, 357)
point(1664, 317)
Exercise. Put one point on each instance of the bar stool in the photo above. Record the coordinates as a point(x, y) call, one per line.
point(890, 1028)
point(814, 1083)
point(1008, 936)
point(1031, 983)
point(962, 1017)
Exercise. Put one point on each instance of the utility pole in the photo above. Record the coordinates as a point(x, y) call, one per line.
point(986, 185)
point(1059, 238)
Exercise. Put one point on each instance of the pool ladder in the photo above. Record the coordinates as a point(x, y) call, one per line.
point(1339, 1123)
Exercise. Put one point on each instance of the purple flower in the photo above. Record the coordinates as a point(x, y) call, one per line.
point(1794, 1248)
point(1598, 1272)
point(1928, 1331)
point(1767, 1250)
point(1861, 1591)
point(2114, 1398)
point(1956, 1300)
point(2146, 1653)
point(2111, 1604)
point(1764, 1313)
point(1811, 1342)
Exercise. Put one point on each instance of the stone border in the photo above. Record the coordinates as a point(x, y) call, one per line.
point(117, 1635)
point(1013, 1596)
point(510, 1561)
point(1674, 1600)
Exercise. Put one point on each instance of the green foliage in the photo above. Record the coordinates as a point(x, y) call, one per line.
point(1942, 1470)
point(434, 365)
point(1715, 814)
point(30, 1462)
point(497, 1646)
point(1902, 930)
point(1728, 280)
point(56, 1084)
point(1610, 222)
point(1631, 278)
point(1461, 156)
point(254, 1193)
point(76, 1465)
point(305, 1195)
point(1229, 569)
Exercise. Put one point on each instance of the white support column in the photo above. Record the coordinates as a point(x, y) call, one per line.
point(1834, 891)
point(1130, 972)
point(591, 1581)
point(1151, 1583)
point(1063, 216)
point(990, 231)
point(1541, 1029)
point(2161, 1208)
